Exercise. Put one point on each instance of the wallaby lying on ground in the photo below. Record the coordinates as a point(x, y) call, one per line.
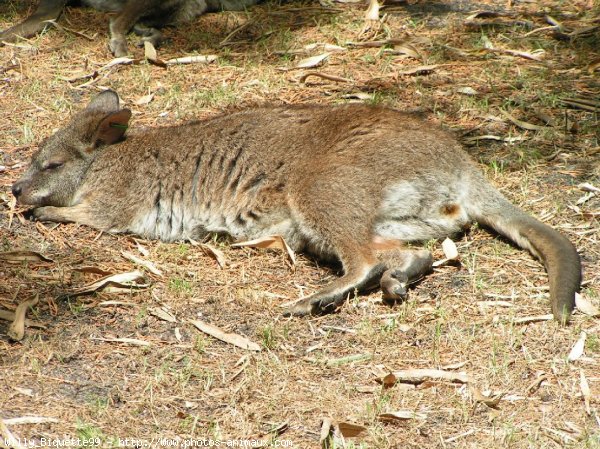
point(137, 15)
point(339, 182)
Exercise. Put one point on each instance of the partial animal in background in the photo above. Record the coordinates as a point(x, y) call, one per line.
point(144, 17)
point(339, 182)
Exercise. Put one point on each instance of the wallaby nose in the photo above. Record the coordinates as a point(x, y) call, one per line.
point(16, 189)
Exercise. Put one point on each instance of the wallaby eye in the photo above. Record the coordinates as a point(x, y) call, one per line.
point(52, 165)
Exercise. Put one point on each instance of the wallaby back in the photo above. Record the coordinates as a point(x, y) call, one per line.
point(331, 180)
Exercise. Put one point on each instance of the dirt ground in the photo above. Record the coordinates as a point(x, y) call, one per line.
point(520, 85)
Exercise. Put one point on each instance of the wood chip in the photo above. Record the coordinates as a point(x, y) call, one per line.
point(128, 341)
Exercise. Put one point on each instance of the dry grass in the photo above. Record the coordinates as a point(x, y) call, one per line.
point(189, 385)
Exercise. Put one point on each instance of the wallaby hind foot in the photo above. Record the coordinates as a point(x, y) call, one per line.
point(405, 268)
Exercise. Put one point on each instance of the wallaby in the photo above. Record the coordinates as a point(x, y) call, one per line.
point(141, 16)
point(340, 182)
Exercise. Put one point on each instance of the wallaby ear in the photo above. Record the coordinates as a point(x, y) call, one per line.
point(107, 101)
point(112, 127)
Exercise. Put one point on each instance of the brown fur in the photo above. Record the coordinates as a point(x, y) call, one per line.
point(332, 181)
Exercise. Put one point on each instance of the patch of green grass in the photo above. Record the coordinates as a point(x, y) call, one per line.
point(178, 285)
point(86, 431)
point(268, 339)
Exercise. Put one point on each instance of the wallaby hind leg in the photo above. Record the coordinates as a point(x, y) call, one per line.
point(124, 22)
point(46, 10)
point(404, 268)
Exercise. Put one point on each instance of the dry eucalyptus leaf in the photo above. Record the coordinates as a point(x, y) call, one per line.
point(163, 314)
point(197, 59)
point(23, 256)
point(144, 100)
point(144, 263)
point(211, 251)
point(522, 124)
point(351, 430)
point(151, 55)
point(585, 306)
point(450, 250)
point(232, 339)
point(533, 319)
point(467, 91)
point(416, 376)
point(400, 415)
point(313, 61)
point(578, 348)
point(127, 280)
point(118, 61)
point(489, 400)
point(128, 341)
point(270, 242)
point(16, 331)
point(420, 70)
point(585, 391)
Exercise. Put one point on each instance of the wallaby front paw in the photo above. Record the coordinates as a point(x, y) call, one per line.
point(42, 213)
point(118, 47)
point(311, 306)
point(394, 285)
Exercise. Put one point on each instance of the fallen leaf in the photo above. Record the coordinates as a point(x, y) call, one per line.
point(416, 376)
point(420, 70)
point(211, 251)
point(163, 314)
point(454, 365)
point(489, 400)
point(578, 348)
point(16, 331)
point(233, 339)
point(144, 100)
point(400, 415)
point(129, 341)
point(350, 430)
point(196, 59)
point(122, 280)
point(23, 256)
point(29, 420)
point(585, 391)
point(585, 306)
point(533, 319)
point(270, 242)
point(467, 91)
point(118, 61)
point(144, 263)
point(450, 250)
point(313, 61)
point(349, 359)
point(522, 124)
point(151, 55)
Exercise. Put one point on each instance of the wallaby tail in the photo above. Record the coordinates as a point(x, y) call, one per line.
point(558, 254)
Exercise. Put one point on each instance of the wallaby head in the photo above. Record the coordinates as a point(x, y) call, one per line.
point(62, 160)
